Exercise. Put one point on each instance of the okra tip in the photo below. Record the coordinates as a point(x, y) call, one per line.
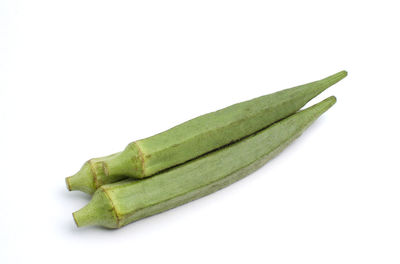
point(68, 184)
point(83, 180)
point(331, 100)
point(331, 80)
point(99, 211)
point(324, 105)
point(86, 217)
point(343, 73)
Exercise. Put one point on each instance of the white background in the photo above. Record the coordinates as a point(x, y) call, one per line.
point(81, 79)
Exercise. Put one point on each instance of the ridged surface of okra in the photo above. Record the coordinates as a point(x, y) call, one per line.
point(196, 137)
point(115, 205)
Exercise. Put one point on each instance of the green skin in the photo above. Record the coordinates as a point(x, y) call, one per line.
point(196, 137)
point(115, 205)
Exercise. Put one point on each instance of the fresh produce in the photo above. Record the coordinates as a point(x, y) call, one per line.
point(196, 137)
point(115, 205)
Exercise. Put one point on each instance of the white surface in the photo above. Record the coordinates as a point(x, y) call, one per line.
point(80, 79)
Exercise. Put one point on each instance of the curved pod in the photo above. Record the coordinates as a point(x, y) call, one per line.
point(115, 205)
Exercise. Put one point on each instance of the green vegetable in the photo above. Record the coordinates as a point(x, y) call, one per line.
point(115, 205)
point(196, 137)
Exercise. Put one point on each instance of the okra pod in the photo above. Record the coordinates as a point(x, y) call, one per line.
point(115, 205)
point(196, 137)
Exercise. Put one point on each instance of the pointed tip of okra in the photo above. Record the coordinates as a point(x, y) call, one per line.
point(83, 180)
point(334, 78)
point(342, 73)
point(306, 92)
point(323, 106)
point(331, 100)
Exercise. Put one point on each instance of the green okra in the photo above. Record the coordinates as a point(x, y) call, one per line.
point(196, 137)
point(115, 205)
